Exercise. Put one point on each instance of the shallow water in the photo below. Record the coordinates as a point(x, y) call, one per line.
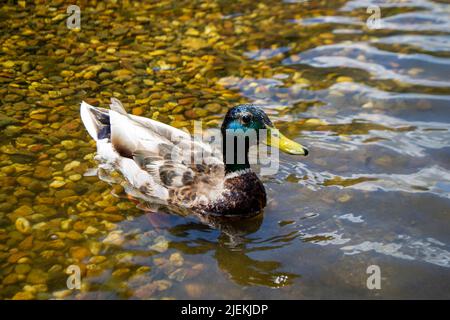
point(371, 105)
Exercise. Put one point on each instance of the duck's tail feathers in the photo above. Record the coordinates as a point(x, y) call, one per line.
point(96, 121)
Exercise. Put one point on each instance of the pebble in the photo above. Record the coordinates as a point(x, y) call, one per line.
point(124, 258)
point(73, 235)
point(23, 211)
point(23, 296)
point(26, 244)
point(61, 156)
point(57, 268)
point(344, 198)
point(176, 259)
point(79, 226)
point(14, 257)
point(121, 272)
point(194, 290)
point(24, 181)
point(97, 259)
point(90, 231)
point(37, 276)
point(67, 73)
point(71, 165)
point(68, 144)
point(115, 238)
point(65, 224)
point(138, 111)
point(57, 184)
point(24, 260)
point(39, 116)
point(163, 284)
point(79, 253)
point(160, 244)
point(22, 268)
point(315, 122)
point(146, 291)
point(10, 279)
point(178, 274)
point(23, 225)
point(143, 269)
point(8, 64)
point(213, 107)
point(62, 294)
point(344, 79)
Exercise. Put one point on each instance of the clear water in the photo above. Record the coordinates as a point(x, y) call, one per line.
point(372, 105)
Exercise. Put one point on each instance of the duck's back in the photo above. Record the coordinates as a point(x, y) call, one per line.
point(155, 158)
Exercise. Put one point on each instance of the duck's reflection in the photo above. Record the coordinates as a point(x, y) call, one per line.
point(232, 242)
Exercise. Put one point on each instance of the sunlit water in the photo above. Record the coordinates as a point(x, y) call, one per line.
point(372, 105)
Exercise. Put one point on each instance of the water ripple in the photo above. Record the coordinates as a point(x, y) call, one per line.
point(417, 69)
point(406, 247)
point(358, 4)
point(428, 43)
point(427, 21)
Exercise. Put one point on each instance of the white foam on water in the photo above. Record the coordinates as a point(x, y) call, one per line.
point(350, 217)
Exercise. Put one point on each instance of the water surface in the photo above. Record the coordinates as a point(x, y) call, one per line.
point(372, 105)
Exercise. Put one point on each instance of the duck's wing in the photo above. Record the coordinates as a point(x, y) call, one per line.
point(160, 160)
point(189, 183)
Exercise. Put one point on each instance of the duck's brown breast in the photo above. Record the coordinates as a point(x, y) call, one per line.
point(244, 195)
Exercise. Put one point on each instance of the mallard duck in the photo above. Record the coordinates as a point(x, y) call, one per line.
point(147, 153)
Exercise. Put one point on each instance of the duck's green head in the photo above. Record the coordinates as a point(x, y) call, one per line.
point(247, 116)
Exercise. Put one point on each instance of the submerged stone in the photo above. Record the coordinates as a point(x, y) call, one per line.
point(23, 225)
point(160, 245)
point(37, 276)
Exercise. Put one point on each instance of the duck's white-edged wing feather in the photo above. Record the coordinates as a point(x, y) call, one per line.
point(92, 118)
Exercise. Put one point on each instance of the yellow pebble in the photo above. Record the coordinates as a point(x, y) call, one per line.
point(23, 225)
point(344, 79)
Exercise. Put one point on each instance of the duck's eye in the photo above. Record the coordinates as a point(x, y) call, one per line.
point(246, 118)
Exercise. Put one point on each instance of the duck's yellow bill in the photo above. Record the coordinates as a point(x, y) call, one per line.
point(278, 140)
